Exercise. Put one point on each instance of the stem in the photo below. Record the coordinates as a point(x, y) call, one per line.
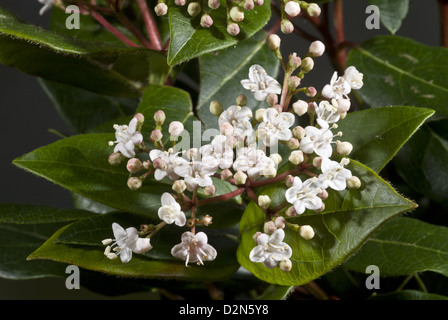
point(157, 228)
point(222, 197)
point(316, 291)
point(278, 178)
point(443, 8)
point(341, 54)
point(193, 209)
point(151, 27)
point(128, 24)
point(420, 283)
point(285, 98)
point(408, 278)
point(252, 194)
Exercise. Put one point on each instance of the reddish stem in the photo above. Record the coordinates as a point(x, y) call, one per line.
point(340, 32)
point(222, 197)
point(151, 27)
point(443, 7)
point(280, 177)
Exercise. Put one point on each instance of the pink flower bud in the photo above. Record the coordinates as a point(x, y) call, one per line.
point(291, 212)
point(311, 92)
point(289, 181)
point(272, 99)
point(159, 117)
point(286, 26)
point(259, 2)
point(134, 165)
point(280, 222)
point(248, 4)
point(269, 227)
point(213, 4)
point(293, 143)
point(300, 107)
point(233, 29)
point(210, 190)
point(226, 174)
point(176, 128)
point(323, 195)
point(292, 8)
point(140, 118)
point(316, 49)
point(180, 3)
point(134, 183)
point(313, 10)
point(158, 163)
point(161, 9)
point(294, 82)
point(206, 21)
point(156, 135)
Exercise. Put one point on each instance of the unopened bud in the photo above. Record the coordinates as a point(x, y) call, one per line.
point(293, 143)
point(233, 29)
point(176, 128)
point(115, 158)
point(256, 234)
point(158, 163)
point(296, 157)
point(294, 61)
point(276, 158)
point(215, 108)
point(291, 212)
point(292, 8)
point(240, 178)
point(269, 172)
point(213, 4)
point(311, 92)
point(273, 42)
point(180, 3)
point(343, 105)
point(285, 265)
point(342, 115)
point(194, 8)
point(317, 162)
point(278, 108)
point(146, 164)
point(210, 191)
point(300, 107)
point(307, 64)
point(248, 4)
point(179, 186)
point(140, 119)
point(294, 82)
point(134, 183)
point(323, 194)
point(269, 227)
point(237, 14)
point(241, 100)
point(226, 174)
point(298, 132)
point(161, 9)
point(264, 201)
point(207, 220)
point(206, 21)
point(286, 26)
point(316, 49)
point(259, 2)
point(259, 114)
point(289, 181)
point(313, 10)
point(280, 222)
point(353, 182)
point(343, 148)
point(306, 232)
point(159, 117)
point(134, 165)
point(156, 135)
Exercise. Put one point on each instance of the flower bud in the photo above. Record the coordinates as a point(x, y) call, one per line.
point(140, 119)
point(285, 265)
point(226, 174)
point(241, 100)
point(307, 64)
point(343, 148)
point(134, 165)
point(248, 4)
point(176, 128)
point(240, 178)
point(256, 234)
point(343, 105)
point(298, 132)
point(213, 4)
point(286, 26)
point(158, 163)
point(323, 195)
point(292, 8)
point(293, 143)
point(306, 232)
point(236, 14)
point(134, 183)
point(276, 158)
point(313, 10)
point(317, 162)
point(289, 181)
point(269, 227)
point(259, 115)
point(311, 92)
point(161, 9)
point(278, 108)
point(300, 107)
point(272, 99)
point(280, 222)
point(264, 201)
point(291, 212)
point(269, 172)
point(296, 157)
point(316, 49)
point(180, 3)
point(206, 21)
point(216, 108)
point(273, 42)
point(146, 164)
point(226, 129)
point(194, 8)
point(179, 186)
point(210, 191)
point(207, 220)
point(294, 82)
point(353, 182)
point(233, 29)
point(159, 117)
point(156, 135)
point(294, 61)
point(259, 2)
point(115, 158)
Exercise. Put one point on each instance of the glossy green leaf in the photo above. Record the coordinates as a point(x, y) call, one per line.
point(189, 40)
point(404, 246)
point(377, 134)
point(274, 292)
point(400, 71)
point(392, 12)
point(222, 72)
point(349, 218)
point(98, 67)
point(408, 295)
point(80, 244)
point(80, 164)
point(423, 161)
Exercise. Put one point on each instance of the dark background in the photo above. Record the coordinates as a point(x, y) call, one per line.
point(27, 115)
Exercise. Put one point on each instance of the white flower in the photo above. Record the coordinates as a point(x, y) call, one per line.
point(169, 161)
point(353, 77)
point(219, 149)
point(194, 248)
point(275, 126)
point(338, 88)
point(170, 211)
point(127, 241)
point(127, 137)
point(252, 161)
point(318, 141)
point(197, 173)
point(334, 175)
point(326, 113)
point(261, 83)
point(304, 195)
point(238, 117)
point(47, 5)
point(271, 250)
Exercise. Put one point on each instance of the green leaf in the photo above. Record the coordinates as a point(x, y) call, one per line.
point(404, 246)
point(80, 244)
point(98, 67)
point(23, 228)
point(222, 72)
point(423, 161)
point(80, 164)
point(189, 40)
point(274, 292)
point(349, 218)
point(377, 134)
point(408, 295)
point(400, 71)
point(392, 12)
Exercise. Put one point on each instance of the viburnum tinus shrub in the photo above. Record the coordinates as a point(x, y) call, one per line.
point(202, 152)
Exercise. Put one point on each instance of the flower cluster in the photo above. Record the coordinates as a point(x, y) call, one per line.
point(245, 152)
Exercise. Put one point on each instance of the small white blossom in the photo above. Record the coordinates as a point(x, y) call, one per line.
point(326, 113)
point(338, 88)
point(197, 173)
point(354, 77)
point(47, 5)
point(318, 141)
point(304, 195)
point(194, 248)
point(219, 149)
point(169, 161)
point(127, 241)
point(238, 118)
point(252, 161)
point(271, 250)
point(127, 137)
point(334, 175)
point(275, 126)
point(261, 83)
point(171, 212)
